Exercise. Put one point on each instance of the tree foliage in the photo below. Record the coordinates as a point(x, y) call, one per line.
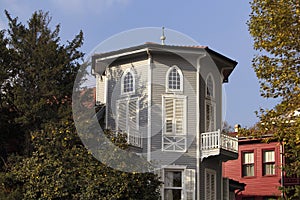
point(40, 67)
point(275, 28)
point(61, 168)
point(37, 74)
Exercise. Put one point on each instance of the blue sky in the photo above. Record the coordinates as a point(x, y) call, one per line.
point(221, 25)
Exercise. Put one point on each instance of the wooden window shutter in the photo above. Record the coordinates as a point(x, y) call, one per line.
point(132, 114)
point(169, 115)
point(213, 186)
point(179, 114)
point(225, 189)
point(210, 185)
point(190, 184)
point(122, 116)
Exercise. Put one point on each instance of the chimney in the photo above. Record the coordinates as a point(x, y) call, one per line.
point(237, 128)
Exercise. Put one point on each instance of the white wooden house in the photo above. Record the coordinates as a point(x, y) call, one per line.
point(168, 100)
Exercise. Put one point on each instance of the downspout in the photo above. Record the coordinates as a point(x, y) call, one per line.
point(106, 96)
point(282, 163)
point(198, 138)
point(149, 105)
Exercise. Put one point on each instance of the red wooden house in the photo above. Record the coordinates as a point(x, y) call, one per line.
point(259, 167)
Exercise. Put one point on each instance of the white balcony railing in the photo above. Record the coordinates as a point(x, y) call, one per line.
point(133, 138)
point(217, 140)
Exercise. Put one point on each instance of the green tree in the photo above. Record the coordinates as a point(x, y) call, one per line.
point(275, 28)
point(38, 74)
point(44, 69)
point(61, 168)
point(37, 77)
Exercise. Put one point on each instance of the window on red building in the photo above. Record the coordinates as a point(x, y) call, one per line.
point(270, 198)
point(268, 162)
point(248, 164)
point(248, 198)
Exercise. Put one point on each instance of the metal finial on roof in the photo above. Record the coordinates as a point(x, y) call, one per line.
point(163, 37)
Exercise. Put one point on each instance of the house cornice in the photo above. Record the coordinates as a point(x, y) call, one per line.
point(102, 60)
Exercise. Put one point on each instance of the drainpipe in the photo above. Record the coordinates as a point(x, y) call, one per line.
point(198, 136)
point(149, 105)
point(282, 163)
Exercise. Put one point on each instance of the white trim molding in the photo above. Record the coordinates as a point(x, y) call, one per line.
point(131, 72)
point(128, 116)
point(169, 72)
point(174, 135)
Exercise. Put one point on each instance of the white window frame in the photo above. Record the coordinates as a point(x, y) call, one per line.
point(212, 96)
point(264, 163)
point(212, 104)
point(174, 139)
point(174, 168)
point(252, 164)
point(127, 100)
point(128, 70)
point(210, 172)
point(180, 76)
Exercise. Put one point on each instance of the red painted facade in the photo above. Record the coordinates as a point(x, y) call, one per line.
point(258, 186)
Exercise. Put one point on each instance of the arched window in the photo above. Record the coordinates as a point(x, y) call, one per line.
point(128, 82)
point(210, 86)
point(174, 80)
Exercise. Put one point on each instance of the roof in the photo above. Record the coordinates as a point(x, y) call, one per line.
point(235, 185)
point(225, 64)
point(153, 46)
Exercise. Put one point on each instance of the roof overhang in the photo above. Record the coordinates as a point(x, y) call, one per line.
point(103, 60)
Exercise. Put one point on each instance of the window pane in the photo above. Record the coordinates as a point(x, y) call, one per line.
point(248, 164)
point(128, 83)
point(248, 157)
point(209, 87)
point(269, 169)
point(248, 170)
point(269, 162)
point(172, 194)
point(174, 80)
point(210, 117)
point(269, 156)
point(173, 179)
point(177, 179)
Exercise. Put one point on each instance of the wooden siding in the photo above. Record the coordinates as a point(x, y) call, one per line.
point(208, 67)
point(140, 68)
point(161, 63)
point(216, 165)
point(100, 89)
point(160, 67)
point(258, 185)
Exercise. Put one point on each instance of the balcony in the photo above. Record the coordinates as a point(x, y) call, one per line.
point(133, 138)
point(217, 144)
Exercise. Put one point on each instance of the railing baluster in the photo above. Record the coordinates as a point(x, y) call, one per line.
point(216, 139)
